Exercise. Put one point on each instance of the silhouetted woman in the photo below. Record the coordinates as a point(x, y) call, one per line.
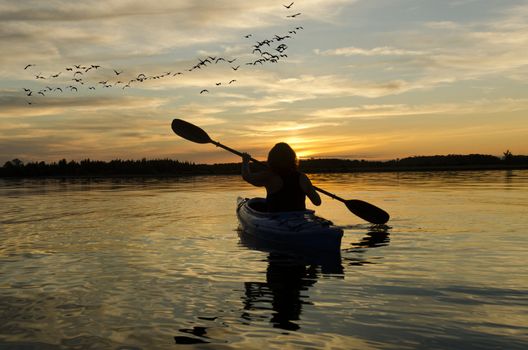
point(286, 187)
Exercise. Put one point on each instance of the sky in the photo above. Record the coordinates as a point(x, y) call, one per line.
point(357, 79)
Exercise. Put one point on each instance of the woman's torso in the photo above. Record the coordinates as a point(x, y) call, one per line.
point(284, 193)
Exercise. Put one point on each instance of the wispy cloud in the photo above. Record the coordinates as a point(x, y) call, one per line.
point(287, 126)
point(374, 111)
point(377, 51)
point(116, 29)
point(17, 105)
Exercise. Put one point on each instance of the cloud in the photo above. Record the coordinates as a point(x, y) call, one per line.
point(375, 111)
point(306, 86)
point(286, 126)
point(477, 49)
point(377, 51)
point(65, 30)
point(16, 105)
point(442, 25)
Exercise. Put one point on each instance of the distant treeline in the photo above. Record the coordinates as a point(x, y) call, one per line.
point(170, 167)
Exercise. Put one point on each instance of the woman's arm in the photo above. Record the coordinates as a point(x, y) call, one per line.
point(310, 191)
point(256, 179)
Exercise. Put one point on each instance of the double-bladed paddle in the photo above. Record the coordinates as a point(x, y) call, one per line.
point(364, 210)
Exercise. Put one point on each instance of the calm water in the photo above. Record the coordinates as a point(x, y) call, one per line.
point(159, 264)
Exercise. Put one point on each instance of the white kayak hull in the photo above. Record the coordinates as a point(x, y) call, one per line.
point(299, 229)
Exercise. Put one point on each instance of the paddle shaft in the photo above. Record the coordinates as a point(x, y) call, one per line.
point(240, 154)
point(331, 195)
point(218, 144)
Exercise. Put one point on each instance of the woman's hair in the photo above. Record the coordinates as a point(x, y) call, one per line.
point(282, 159)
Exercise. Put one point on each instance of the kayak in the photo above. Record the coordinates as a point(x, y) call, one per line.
point(296, 229)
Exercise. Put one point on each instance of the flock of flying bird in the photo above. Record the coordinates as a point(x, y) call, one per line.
point(269, 50)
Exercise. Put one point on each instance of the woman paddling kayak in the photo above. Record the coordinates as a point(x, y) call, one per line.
point(286, 187)
point(281, 220)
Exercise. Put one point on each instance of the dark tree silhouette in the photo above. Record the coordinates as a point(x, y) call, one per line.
point(170, 167)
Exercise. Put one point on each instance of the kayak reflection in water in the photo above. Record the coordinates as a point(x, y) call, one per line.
point(286, 187)
point(282, 297)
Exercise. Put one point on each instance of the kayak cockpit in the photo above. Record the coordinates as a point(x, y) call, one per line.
point(259, 206)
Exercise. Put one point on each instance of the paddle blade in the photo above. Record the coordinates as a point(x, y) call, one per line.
point(367, 211)
point(189, 131)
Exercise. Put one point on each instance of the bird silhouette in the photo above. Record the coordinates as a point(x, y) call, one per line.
point(204, 90)
point(231, 61)
point(202, 62)
point(288, 6)
point(293, 16)
point(280, 38)
point(247, 36)
point(29, 65)
point(56, 75)
point(263, 42)
point(58, 89)
point(117, 72)
point(232, 81)
point(281, 48)
point(218, 84)
point(235, 68)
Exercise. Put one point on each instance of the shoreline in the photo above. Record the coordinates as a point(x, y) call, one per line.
point(388, 169)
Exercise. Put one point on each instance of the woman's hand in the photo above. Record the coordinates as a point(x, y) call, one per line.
point(246, 158)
